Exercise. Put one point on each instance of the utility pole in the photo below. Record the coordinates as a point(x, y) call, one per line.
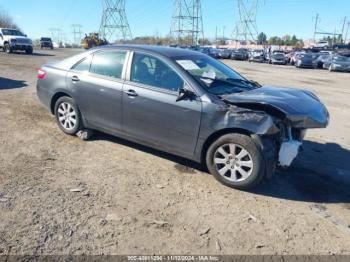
point(76, 33)
point(216, 35)
point(246, 26)
point(347, 30)
point(114, 23)
point(316, 25)
point(342, 31)
point(223, 34)
point(187, 22)
point(55, 35)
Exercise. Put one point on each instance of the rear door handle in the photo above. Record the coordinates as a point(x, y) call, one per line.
point(75, 79)
point(131, 93)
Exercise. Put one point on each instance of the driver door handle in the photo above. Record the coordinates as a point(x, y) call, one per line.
point(131, 93)
point(75, 79)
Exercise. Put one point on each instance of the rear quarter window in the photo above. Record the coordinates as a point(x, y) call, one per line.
point(83, 66)
point(108, 63)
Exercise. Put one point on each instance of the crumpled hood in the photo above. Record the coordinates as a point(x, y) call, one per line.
point(302, 108)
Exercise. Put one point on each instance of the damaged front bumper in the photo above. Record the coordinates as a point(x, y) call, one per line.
point(289, 149)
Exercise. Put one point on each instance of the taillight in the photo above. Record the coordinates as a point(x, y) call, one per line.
point(41, 74)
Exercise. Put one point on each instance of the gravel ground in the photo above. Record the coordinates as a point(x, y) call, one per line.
point(60, 195)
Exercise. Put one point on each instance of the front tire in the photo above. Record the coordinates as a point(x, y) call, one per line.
point(7, 48)
point(236, 161)
point(68, 116)
point(29, 50)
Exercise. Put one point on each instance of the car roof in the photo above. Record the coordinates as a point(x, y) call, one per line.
point(170, 52)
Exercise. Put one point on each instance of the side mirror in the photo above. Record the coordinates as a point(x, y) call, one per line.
point(185, 94)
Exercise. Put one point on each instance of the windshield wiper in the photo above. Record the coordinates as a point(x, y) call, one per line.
point(239, 88)
point(245, 81)
point(229, 81)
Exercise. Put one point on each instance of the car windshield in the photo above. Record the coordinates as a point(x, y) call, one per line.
point(11, 32)
point(308, 56)
point(278, 55)
point(214, 76)
point(341, 58)
point(45, 39)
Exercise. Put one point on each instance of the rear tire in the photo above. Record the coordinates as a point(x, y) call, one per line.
point(236, 161)
point(68, 116)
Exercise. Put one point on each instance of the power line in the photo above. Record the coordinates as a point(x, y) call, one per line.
point(114, 24)
point(187, 22)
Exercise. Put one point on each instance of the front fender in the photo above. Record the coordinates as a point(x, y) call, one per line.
point(221, 118)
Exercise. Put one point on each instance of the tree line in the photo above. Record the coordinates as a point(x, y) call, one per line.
point(286, 40)
point(6, 20)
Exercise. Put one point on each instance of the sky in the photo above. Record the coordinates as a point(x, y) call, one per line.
point(148, 17)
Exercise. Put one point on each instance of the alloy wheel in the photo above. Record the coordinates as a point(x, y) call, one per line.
point(233, 162)
point(67, 116)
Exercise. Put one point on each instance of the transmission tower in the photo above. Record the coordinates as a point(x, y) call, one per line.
point(333, 34)
point(56, 35)
point(114, 24)
point(246, 27)
point(187, 22)
point(77, 33)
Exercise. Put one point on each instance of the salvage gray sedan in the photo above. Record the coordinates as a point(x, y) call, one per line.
point(185, 103)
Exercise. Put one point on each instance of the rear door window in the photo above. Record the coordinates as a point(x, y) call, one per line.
point(108, 63)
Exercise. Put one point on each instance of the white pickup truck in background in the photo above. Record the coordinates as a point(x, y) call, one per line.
point(13, 40)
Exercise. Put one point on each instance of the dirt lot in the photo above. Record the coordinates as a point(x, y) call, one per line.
point(135, 200)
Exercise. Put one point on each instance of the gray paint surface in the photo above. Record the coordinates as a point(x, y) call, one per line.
point(153, 117)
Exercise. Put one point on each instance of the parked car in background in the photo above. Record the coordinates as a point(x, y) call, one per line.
point(184, 103)
point(240, 54)
point(224, 53)
point(323, 52)
point(209, 51)
point(318, 63)
point(214, 53)
point(321, 45)
point(278, 58)
point(46, 42)
point(257, 56)
point(306, 60)
point(337, 63)
point(14, 40)
point(294, 57)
